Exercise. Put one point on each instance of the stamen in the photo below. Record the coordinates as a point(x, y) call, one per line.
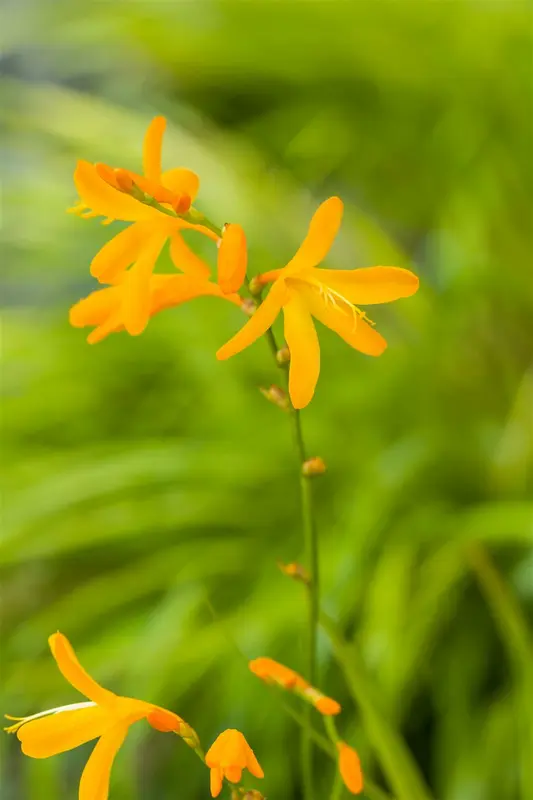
point(337, 300)
point(20, 721)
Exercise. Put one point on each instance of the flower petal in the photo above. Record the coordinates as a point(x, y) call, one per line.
point(352, 328)
point(153, 141)
point(370, 284)
point(233, 773)
point(136, 300)
point(215, 781)
point(63, 731)
point(94, 784)
point(172, 290)
point(121, 251)
point(181, 181)
point(73, 672)
point(253, 764)
point(106, 201)
point(322, 231)
point(302, 341)
point(350, 768)
point(95, 308)
point(184, 258)
point(232, 259)
point(258, 324)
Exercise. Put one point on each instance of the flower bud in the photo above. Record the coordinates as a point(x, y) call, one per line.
point(277, 396)
point(249, 306)
point(189, 736)
point(181, 203)
point(295, 571)
point(313, 466)
point(283, 356)
point(123, 180)
point(255, 286)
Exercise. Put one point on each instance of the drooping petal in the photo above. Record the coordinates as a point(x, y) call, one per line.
point(253, 764)
point(106, 201)
point(233, 773)
point(215, 781)
point(350, 768)
point(181, 181)
point(153, 141)
point(73, 672)
point(185, 260)
point(322, 231)
point(136, 300)
point(172, 290)
point(94, 784)
point(121, 251)
point(349, 326)
point(258, 324)
point(302, 341)
point(370, 284)
point(95, 308)
point(232, 259)
point(63, 731)
point(111, 325)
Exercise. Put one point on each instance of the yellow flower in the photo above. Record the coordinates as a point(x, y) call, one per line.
point(229, 754)
point(331, 296)
point(105, 308)
point(273, 672)
point(106, 717)
point(117, 194)
point(350, 768)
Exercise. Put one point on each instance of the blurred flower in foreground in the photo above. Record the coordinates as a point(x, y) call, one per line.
point(272, 672)
point(350, 768)
point(304, 292)
point(120, 194)
point(106, 717)
point(229, 754)
point(105, 308)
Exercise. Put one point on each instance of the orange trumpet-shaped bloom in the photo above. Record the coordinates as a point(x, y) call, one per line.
point(104, 308)
point(118, 195)
point(229, 754)
point(273, 672)
point(106, 717)
point(350, 768)
point(330, 296)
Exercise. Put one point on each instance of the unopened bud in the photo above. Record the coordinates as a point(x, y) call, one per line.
point(181, 203)
point(189, 736)
point(255, 286)
point(283, 356)
point(277, 396)
point(123, 180)
point(249, 306)
point(295, 571)
point(313, 466)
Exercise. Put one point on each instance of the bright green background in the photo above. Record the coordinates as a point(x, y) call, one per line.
point(144, 479)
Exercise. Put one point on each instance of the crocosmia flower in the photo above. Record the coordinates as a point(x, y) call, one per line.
point(229, 754)
point(120, 194)
point(350, 768)
point(273, 672)
point(106, 717)
point(332, 297)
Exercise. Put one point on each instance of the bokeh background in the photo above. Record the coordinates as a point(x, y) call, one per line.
point(150, 490)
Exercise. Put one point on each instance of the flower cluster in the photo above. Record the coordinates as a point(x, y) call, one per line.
point(159, 206)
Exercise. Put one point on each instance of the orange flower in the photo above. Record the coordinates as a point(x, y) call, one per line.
point(106, 717)
point(331, 296)
point(272, 672)
point(350, 768)
point(229, 754)
point(105, 308)
point(124, 195)
point(232, 259)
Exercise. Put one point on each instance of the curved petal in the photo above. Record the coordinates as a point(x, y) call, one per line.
point(136, 299)
point(106, 201)
point(215, 781)
point(370, 284)
point(233, 773)
point(95, 308)
point(121, 251)
point(153, 142)
point(63, 731)
point(253, 765)
point(185, 260)
point(232, 259)
point(350, 327)
point(181, 181)
point(111, 325)
point(302, 341)
point(322, 231)
point(94, 784)
point(258, 324)
point(177, 289)
point(73, 672)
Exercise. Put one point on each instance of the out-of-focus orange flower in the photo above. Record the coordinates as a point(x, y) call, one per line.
point(331, 296)
point(350, 768)
point(104, 308)
point(229, 754)
point(119, 194)
point(106, 717)
point(273, 672)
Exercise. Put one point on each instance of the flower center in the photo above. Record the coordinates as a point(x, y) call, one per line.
point(337, 300)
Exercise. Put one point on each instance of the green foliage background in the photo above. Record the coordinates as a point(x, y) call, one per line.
point(146, 482)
